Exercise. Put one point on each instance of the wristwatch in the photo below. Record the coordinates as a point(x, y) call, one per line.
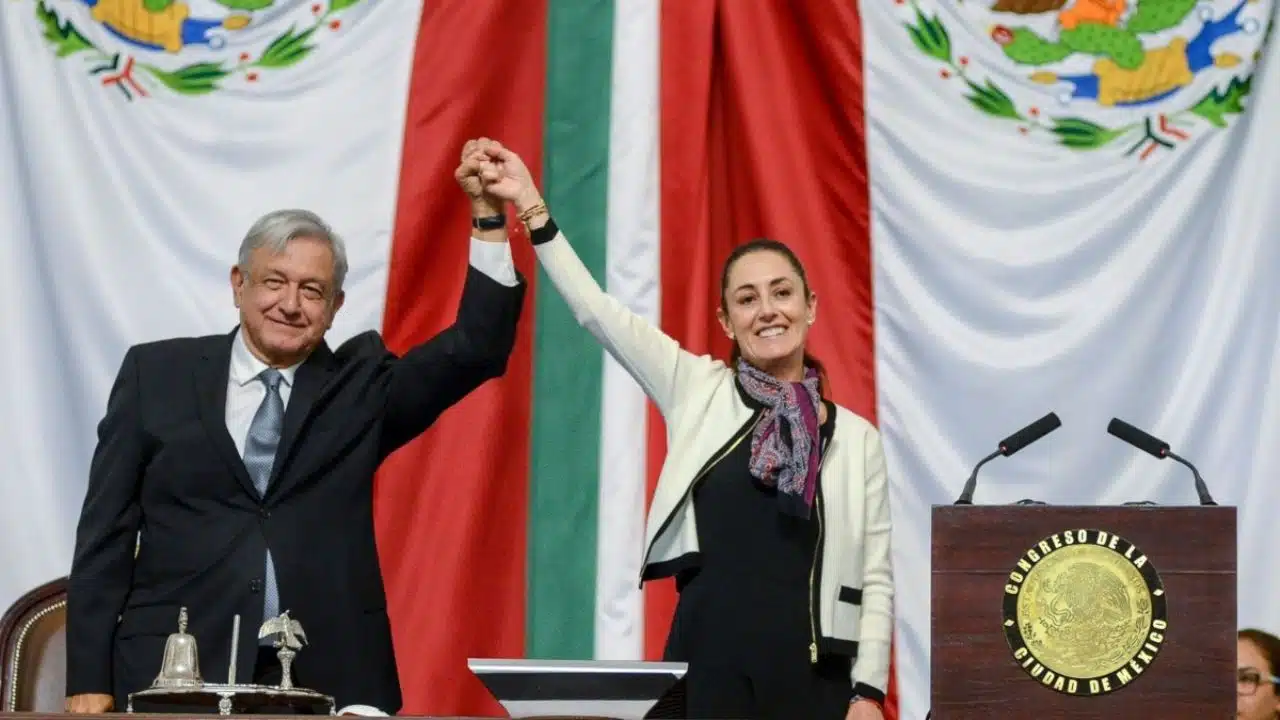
point(492, 222)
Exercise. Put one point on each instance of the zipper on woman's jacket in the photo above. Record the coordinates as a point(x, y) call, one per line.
point(815, 570)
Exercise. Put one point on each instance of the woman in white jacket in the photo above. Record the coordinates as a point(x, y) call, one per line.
point(772, 507)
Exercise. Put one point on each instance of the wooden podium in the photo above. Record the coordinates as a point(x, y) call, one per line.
point(1021, 590)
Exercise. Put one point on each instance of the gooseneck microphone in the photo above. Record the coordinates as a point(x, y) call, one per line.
point(1157, 448)
point(1009, 446)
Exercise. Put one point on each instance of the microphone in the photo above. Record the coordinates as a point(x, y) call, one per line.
point(1009, 446)
point(1157, 448)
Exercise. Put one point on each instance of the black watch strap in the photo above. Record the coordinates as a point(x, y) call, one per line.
point(492, 222)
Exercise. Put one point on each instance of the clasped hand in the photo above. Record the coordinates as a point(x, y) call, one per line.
point(490, 175)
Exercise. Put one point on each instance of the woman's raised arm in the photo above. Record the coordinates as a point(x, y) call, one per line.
point(653, 358)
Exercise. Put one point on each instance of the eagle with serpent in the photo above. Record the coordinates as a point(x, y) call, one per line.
point(190, 47)
point(1087, 617)
point(1088, 73)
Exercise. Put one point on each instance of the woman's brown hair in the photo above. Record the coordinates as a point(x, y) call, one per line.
point(767, 245)
point(1268, 646)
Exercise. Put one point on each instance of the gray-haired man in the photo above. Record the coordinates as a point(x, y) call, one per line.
point(240, 467)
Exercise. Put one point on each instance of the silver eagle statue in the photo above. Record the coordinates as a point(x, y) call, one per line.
point(289, 639)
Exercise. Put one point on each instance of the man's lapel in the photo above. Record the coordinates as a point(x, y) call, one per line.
point(308, 384)
point(211, 391)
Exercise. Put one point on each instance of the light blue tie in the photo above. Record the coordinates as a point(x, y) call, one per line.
point(259, 457)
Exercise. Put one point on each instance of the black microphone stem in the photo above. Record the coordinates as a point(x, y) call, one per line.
point(1201, 489)
point(966, 495)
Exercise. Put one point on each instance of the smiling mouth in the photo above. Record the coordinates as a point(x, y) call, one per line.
point(285, 324)
point(771, 332)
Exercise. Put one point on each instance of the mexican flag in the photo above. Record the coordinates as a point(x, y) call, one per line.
point(1005, 209)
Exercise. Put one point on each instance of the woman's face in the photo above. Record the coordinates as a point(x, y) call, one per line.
point(1263, 703)
point(766, 310)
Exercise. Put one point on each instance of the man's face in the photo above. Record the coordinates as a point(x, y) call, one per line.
point(287, 301)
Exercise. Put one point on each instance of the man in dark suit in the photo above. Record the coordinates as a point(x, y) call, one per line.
point(234, 473)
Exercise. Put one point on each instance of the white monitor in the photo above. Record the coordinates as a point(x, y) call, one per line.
point(591, 688)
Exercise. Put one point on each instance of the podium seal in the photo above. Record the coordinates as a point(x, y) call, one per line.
point(1085, 612)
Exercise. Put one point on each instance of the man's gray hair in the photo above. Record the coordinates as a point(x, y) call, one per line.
point(274, 230)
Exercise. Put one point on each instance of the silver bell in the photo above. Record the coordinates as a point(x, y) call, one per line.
point(181, 665)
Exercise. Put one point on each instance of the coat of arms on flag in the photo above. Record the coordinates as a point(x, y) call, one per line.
point(1086, 74)
point(190, 47)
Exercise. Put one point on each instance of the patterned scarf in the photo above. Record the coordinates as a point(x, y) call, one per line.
point(785, 446)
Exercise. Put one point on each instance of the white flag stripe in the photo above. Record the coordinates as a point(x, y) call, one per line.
point(122, 214)
point(1015, 276)
point(632, 275)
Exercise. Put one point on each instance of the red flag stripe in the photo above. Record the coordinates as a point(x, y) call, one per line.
point(451, 507)
point(763, 134)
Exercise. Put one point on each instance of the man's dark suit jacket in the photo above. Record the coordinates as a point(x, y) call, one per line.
point(166, 465)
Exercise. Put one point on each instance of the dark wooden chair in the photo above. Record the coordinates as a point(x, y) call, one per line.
point(34, 641)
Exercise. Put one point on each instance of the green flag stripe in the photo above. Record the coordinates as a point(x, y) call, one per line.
point(567, 362)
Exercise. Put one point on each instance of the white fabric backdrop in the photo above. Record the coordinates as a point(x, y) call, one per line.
point(120, 220)
point(1014, 277)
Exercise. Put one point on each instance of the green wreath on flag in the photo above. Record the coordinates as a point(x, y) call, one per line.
point(1120, 45)
point(288, 48)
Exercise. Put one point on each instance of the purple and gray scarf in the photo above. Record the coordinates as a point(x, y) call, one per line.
point(785, 447)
